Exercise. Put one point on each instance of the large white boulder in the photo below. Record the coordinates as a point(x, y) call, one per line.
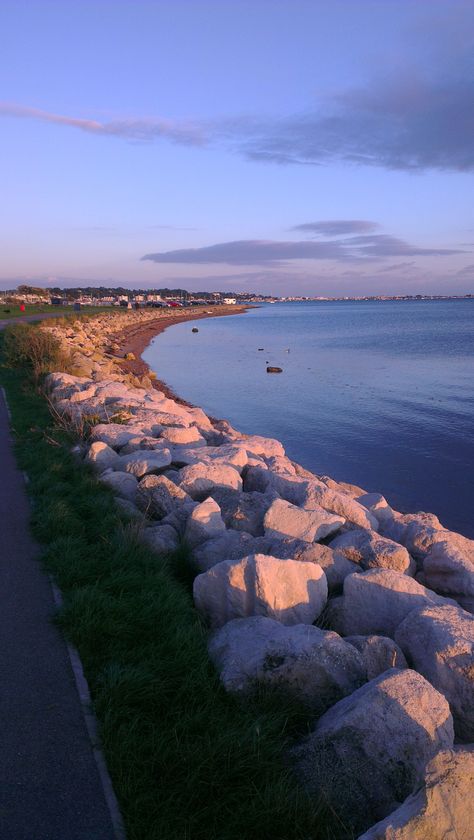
point(115, 434)
point(288, 487)
point(232, 545)
point(199, 480)
point(370, 750)
point(449, 568)
point(377, 601)
point(258, 445)
point(335, 566)
point(318, 494)
point(443, 809)
point(229, 455)
point(101, 457)
point(439, 643)
point(416, 531)
point(161, 538)
point(379, 654)
point(312, 666)
point(187, 436)
point(371, 551)
point(123, 484)
point(158, 496)
point(283, 519)
point(204, 523)
point(144, 461)
point(243, 511)
point(287, 590)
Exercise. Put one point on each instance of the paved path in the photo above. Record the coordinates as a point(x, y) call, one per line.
point(50, 787)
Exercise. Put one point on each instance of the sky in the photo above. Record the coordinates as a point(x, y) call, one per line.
point(287, 147)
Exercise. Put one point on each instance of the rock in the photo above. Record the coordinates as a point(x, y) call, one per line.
point(129, 508)
point(449, 568)
point(257, 445)
point(377, 601)
point(378, 653)
point(413, 530)
point(204, 523)
point(232, 545)
point(439, 643)
point(243, 511)
point(183, 436)
point(443, 809)
point(178, 517)
point(161, 538)
point(371, 551)
point(141, 442)
point(115, 435)
point(334, 565)
point(280, 465)
point(351, 490)
point(283, 519)
point(313, 667)
point(227, 455)
point(370, 750)
point(199, 480)
point(333, 616)
point(287, 590)
point(273, 369)
point(142, 462)
point(378, 506)
point(101, 457)
point(318, 494)
point(122, 483)
point(263, 480)
point(158, 496)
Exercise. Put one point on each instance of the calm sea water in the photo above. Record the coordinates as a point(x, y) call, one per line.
point(379, 394)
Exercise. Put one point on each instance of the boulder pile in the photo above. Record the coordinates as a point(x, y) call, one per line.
point(314, 588)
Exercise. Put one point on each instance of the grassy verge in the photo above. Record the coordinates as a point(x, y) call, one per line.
point(187, 760)
point(11, 311)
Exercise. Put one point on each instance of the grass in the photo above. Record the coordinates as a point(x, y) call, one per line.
point(188, 762)
point(12, 311)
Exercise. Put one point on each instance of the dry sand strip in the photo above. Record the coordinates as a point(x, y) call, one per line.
point(51, 785)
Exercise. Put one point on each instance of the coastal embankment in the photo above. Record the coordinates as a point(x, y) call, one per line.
point(311, 588)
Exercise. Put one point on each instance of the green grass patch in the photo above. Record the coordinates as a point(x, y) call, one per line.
point(12, 311)
point(188, 762)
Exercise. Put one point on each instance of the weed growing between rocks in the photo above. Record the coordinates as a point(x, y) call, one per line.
point(187, 761)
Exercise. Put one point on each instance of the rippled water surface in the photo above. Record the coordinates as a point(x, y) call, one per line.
point(379, 394)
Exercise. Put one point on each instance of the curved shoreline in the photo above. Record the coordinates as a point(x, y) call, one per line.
point(135, 340)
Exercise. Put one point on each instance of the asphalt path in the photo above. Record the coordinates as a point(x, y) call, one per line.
point(50, 784)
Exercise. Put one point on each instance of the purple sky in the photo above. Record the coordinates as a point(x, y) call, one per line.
point(281, 146)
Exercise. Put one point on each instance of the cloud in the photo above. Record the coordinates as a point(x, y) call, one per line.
point(186, 133)
point(414, 116)
point(337, 227)
point(402, 266)
point(264, 252)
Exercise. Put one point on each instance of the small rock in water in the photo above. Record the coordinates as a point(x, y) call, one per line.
point(194, 329)
point(271, 369)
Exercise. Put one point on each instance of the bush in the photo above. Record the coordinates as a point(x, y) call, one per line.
point(33, 349)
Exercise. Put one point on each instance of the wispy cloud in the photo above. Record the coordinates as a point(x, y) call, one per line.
point(336, 227)
point(415, 120)
point(264, 252)
point(186, 133)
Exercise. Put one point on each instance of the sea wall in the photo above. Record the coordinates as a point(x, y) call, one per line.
point(311, 588)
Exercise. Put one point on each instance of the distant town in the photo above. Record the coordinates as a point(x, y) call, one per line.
point(138, 298)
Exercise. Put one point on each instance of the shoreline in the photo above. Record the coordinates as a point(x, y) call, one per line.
point(279, 556)
point(136, 339)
